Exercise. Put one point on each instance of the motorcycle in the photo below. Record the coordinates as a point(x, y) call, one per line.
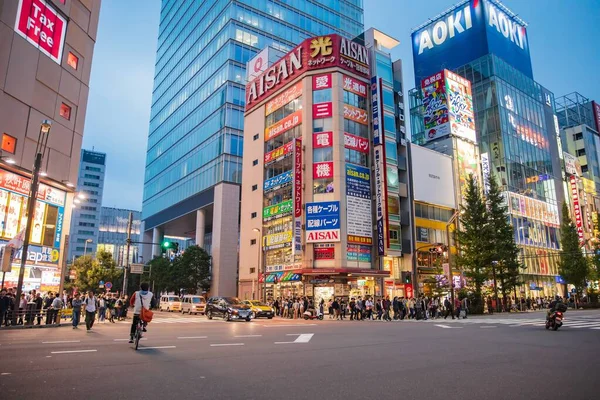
point(312, 314)
point(555, 319)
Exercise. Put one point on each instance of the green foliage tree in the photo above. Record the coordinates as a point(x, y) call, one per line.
point(437, 284)
point(193, 268)
point(505, 265)
point(473, 241)
point(90, 271)
point(573, 266)
point(163, 275)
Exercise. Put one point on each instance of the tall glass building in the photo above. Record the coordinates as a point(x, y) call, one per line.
point(195, 140)
point(516, 125)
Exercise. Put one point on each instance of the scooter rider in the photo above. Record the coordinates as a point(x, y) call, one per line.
point(553, 306)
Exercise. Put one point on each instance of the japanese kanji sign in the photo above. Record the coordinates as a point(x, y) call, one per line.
point(278, 181)
point(21, 185)
point(356, 143)
point(356, 114)
point(323, 222)
point(276, 210)
point(576, 207)
point(322, 110)
point(380, 196)
point(355, 86)
point(322, 82)
point(284, 125)
point(297, 178)
point(376, 111)
point(279, 153)
point(322, 139)
point(322, 170)
point(284, 98)
point(358, 205)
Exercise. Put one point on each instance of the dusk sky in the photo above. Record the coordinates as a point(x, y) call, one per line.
point(563, 39)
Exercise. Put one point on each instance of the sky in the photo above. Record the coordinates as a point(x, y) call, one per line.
point(562, 35)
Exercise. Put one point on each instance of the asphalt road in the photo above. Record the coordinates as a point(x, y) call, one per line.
point(498, 357)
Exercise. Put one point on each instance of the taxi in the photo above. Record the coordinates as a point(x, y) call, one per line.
point(260, 309)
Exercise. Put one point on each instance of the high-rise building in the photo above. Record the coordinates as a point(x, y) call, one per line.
point(112, 234)
point(195, 141)
point(46, 50)
point(486, 44)
point(86, 212)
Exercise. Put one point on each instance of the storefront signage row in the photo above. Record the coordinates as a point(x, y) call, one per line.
point(312, 54)
point(22, 185)
point(284, 125)
point(278, 210)
point(279, 153)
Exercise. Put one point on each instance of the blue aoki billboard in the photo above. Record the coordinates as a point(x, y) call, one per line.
point(466, 32)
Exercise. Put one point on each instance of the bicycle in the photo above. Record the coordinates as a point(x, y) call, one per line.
point(139, 327)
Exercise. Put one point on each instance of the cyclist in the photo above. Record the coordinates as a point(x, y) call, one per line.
point(142, 296)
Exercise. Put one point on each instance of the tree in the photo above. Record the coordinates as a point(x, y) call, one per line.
point(505, 265)
point(193, 266)
point(90, 271)
point(163, 275)
point(573, 266)
point(473, 241)
point(437, 284)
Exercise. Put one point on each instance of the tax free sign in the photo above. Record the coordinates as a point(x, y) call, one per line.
point(42, 26)
point(466, 32)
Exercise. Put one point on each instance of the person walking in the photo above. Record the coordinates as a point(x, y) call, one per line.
point(336, 309)
point(386, 309)
point(359, 309)
point(448, 307)
point(90, 310)
point(76, 302)
point(22, 308)
point(101, 309)
point(343, 307)
point(352, 306)
point(57, 306)
point(4, 306)
point(369, 308)
point(47, 307)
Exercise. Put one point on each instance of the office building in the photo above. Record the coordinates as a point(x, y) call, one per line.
point(112, 234)
point(486, 45)
point(44, 75)
point(86, 213)
point(195, 141)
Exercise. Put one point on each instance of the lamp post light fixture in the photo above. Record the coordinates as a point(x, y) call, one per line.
point(85, 246)
point(40, 152)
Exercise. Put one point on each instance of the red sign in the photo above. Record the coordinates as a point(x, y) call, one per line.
point(432, 79)
point(312, 54)
point(322, 82)
point(322, 110)
point(298, 178)
point(322, 139)
point(322, 170)
point(576, 207)
point(284, 98)
point(42, 26)
point(596, 107)
point(279, 152)
point(325, 253)
point(356, 114)
point(408, 290)
point(355, 86)
point(284, 125)
point(356, 143)
point(21, 185)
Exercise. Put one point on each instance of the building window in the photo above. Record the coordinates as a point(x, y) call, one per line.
point(584, 168)
point(9, 143)
point(91, 184)
point(253, 215)
point(254, 187)
point(580, 152)
point(90, 176)
point(65, 111)
point(72, 60)
point(93, 169)
point(255, 137)
point(252, 241)
point(578, 136)
point(255, 162)
point(252, 270)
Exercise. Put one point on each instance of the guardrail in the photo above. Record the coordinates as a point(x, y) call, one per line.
point(30, 317)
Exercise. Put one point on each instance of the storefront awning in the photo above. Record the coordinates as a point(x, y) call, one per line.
point(287, 276)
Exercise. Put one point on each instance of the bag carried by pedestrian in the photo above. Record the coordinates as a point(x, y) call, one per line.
point(145, 314)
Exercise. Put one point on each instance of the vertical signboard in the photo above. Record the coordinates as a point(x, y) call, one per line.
point(461, 116)
point(297, 196)
point(376, 110)
point(358, 205)
point(323, 222)
point(596, 107)
point(485, 172)
point(435, 107)
point(379, 197)
point(576, 208)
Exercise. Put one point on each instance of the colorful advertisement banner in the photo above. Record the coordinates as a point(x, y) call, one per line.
point(460, 106)
point(320, 82)
point(323, 170)
point(376, 111)
point(355, 86)
point(532, 208)
point(278, 210)
point(279, 153)
point(326, 253)
point(278, 240)
point(322, 110)
point(21, 185)
point(277, 181)
point(358, 205)
point(576, 208)
point(284, 125)
point(357, 143)
point(435, 107)
point(358, 253)
point(467, 163)
point(323, 222)
point(322, 139)
point(572, 165)
point(356, 114)
point(380, 194)
point(289, 94)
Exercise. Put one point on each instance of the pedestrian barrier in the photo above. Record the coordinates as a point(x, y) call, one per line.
point(33, 317)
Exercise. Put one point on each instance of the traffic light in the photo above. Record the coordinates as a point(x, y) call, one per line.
point(167, 245)
point(406, 277)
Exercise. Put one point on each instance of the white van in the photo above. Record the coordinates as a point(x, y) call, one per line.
point(193, 304)
point(170, 302)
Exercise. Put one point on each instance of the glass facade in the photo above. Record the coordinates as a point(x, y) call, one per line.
point(112, 234)
point(196, 126)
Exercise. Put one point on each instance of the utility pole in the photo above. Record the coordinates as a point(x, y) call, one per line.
point(126, 266)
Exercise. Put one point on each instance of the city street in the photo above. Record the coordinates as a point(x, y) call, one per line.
point(491, 357)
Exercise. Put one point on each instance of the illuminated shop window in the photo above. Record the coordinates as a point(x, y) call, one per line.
point(65, 111)
point(9, 143)
point(72, 60)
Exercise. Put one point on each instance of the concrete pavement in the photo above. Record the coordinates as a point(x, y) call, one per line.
point(341, 360)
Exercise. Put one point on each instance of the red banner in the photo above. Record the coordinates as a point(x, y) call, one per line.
point(322, 139)
point(298, 178)
point(322, 82)
point(576, 208)
point(284, 125)
point(356, 114)
point(324, 253)
point(323, 170)
point(21, 185)
point(284, 98)
point(354, 86)
point(356, 143)
point(279, 152)
point(408, 290)
point(322, 110)
point(596, 107)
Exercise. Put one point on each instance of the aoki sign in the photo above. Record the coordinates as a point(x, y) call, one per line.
point(447, 28)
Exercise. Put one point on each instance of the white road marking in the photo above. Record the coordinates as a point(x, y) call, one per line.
point(484, 327)
point(449, 327)
point(5, 373)
point(192, 337)
point(241, 336)
point(302, 338)
point(62, 341)
point(73, 351)
point(226, 344)
point(282, 325)
point(156, 347)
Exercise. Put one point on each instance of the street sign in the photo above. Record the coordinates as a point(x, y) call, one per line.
point(108, 285)
point(136, 268)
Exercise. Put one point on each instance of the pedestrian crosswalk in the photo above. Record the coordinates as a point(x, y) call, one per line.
point(182, 320)
point(583, 322)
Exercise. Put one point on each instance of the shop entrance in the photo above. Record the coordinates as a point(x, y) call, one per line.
point(323, 292)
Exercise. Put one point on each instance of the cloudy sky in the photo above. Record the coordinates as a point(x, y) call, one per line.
point(563, 38)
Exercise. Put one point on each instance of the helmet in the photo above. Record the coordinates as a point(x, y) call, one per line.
point(557, 298)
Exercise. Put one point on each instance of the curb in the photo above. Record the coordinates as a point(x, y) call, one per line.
point(16, 327)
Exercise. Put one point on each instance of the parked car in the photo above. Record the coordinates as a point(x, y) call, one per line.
point(193, 304)
point(228, 308)
point(260, 309)
point(170, 303)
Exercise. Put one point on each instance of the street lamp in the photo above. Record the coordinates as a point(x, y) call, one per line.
point(85, 246)
point(261, 266)
point(40, 152)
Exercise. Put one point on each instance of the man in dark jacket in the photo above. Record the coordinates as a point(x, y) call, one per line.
point(37, 308)
point(48, 307)
point(448, 307)
point(4, 306)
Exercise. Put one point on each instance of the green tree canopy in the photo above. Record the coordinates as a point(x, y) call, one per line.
point(573, 266)
point(90, 271)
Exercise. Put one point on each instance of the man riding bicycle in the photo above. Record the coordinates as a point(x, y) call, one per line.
point(141, 298)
